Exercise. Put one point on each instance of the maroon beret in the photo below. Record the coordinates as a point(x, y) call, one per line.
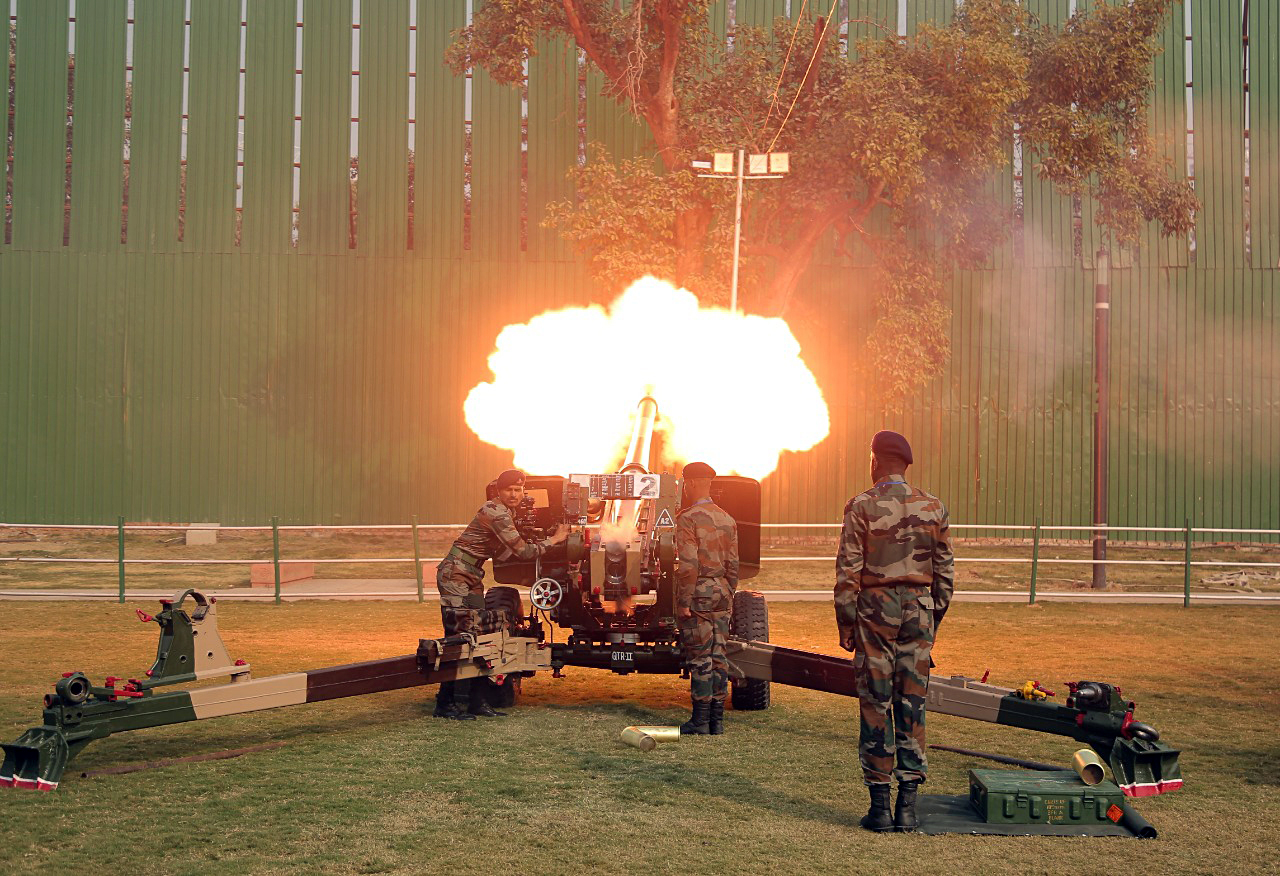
point(510, 478)
point(891, 444)
point(699, 470)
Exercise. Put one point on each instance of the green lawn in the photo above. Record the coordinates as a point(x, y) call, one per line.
point(374, 785)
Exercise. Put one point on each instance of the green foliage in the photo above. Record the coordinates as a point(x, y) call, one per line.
point(893, 148)
point(624, 219)
point(1086, 117)
point(503, 33)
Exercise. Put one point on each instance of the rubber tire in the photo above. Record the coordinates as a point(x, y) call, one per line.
point(507, 694)
point(505, 599)
point(749, 621)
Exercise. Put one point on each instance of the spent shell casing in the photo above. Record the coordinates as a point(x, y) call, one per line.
point(1088, 766)
point(662, 734)
point(633, 737)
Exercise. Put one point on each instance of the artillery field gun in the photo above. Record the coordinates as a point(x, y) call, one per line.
point(611, 586)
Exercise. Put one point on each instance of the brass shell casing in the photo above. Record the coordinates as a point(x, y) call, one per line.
point(633, 737)
point(1088, 766)
point(662, 734)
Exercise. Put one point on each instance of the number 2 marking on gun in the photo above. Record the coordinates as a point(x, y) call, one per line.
point(648, 487)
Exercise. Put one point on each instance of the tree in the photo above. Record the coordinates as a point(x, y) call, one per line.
point(893, 148)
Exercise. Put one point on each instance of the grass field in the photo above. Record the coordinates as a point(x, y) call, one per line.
point(374, 785)
point(971, 572)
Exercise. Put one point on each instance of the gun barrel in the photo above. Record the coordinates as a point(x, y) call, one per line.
point(637, 459)
point(625, 512)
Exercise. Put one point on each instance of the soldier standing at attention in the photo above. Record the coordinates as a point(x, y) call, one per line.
point(894, 575)
point(707, 576)
point(459, 578)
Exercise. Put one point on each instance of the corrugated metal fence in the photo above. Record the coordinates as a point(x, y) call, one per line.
point(262, 309)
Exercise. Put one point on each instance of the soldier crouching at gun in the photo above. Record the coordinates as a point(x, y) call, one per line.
point(460, 576)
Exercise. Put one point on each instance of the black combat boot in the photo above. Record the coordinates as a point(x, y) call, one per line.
point(715, 720)
point(480, 706)
point(447, 706)
point(877, 817)
point(904, 811)
point(697, 725)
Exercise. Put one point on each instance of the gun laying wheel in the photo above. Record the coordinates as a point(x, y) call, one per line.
point(546, 593)
point(750, 622)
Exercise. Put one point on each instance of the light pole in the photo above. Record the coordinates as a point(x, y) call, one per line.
point(770, 165)
point(1101, 410)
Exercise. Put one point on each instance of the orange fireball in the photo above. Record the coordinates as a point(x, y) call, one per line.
point(731, 388)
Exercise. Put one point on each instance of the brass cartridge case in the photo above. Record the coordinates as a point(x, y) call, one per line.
point(1088, 766)
point(662, 734)
point(643, 741)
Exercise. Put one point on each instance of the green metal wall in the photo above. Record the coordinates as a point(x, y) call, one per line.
point(213, 379)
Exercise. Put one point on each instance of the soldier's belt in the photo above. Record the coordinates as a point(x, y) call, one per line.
point(465, 558)
point(876, 583)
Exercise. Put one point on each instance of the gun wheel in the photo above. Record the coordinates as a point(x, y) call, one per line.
point(507, 600)
point(750, 622)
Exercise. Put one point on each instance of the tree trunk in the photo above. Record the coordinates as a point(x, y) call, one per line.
point(799, 255)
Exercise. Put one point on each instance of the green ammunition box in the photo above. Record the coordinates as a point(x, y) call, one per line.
point(1023, 797)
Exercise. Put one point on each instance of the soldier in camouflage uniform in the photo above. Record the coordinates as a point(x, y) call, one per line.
point(707, 576)
point(460, 577)
point(894, 577)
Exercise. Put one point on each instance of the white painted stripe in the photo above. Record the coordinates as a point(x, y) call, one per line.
point(1150, 789)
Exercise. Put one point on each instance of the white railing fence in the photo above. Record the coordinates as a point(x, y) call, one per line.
point(1187, 532)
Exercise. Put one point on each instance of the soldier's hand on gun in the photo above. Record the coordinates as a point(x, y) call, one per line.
point(846, 640)
point(561, 533)
point(684, 611)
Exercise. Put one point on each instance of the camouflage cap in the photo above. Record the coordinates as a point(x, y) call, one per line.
point(699, 470)
point(891, 444)
point(510, 478)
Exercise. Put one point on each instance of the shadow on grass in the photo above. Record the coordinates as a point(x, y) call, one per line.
point(1250, 766)
point(702, 778)
point(215, 735)
point(730, 787)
